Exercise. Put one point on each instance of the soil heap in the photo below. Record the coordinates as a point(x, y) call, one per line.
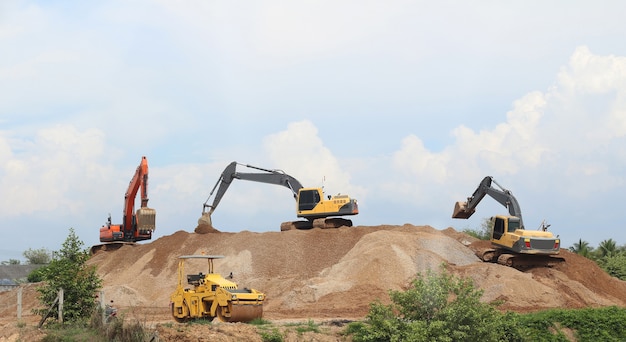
point(336, 273)
point(322, 274)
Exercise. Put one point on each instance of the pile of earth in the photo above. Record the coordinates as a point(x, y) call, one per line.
point(328, 274)
point(336, 273)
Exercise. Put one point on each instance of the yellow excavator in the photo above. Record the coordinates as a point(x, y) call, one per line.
point(512, 244)
point(213, 296)
point(318, 212)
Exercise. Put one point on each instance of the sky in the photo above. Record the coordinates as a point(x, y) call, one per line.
point(404, 105)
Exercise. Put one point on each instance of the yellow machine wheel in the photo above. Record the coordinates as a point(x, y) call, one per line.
point(219, 315)
point(179, 319)
point(240, 313)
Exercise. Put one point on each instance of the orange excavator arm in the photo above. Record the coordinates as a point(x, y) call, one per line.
point(139, 180)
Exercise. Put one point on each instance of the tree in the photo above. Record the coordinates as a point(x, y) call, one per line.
point(615, 265)
point(581, 248)
point(607, 248)
point(12, 262)
point(80, 282)
point(484, 233)
point(438, 307)
point(39, 256)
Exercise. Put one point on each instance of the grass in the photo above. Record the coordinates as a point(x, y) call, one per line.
point(588, 324)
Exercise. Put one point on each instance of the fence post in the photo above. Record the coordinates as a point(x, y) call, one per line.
point(102, 307)
point(19, 303)
point(61, 305)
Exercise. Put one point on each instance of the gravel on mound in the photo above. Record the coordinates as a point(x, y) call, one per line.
point(338, 272)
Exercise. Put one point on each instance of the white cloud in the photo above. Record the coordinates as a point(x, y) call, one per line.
point(301, 153)
point(52, 172)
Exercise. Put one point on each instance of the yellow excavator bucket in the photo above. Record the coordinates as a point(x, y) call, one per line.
point(461, 211)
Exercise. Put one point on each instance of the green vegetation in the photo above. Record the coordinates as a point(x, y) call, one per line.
point(441, 307)
point(72, 332)
point(609, 256)
point(39, 256)
point(301, 328)
point(96, 330)
point(11, 262)
point(437, 307)
point(589, 324)
point(483, 233)
point(80, 282)
point(271, 335)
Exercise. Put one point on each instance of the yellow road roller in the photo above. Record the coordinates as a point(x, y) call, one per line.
point(210, 296)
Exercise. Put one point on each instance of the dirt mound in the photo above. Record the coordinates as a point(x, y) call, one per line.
point(330, 273)
point(327, 274)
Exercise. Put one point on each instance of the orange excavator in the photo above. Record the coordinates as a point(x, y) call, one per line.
point(136, 226)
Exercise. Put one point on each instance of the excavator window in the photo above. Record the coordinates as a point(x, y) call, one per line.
point(308, 199)
point(498, 228)
point(513, 224)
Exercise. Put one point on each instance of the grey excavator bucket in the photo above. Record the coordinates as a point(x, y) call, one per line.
point(205, 225)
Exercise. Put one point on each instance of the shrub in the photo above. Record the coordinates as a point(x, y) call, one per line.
point(80, 282)
point(437, 307)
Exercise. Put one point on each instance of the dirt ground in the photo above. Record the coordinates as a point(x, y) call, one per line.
point(324, 276)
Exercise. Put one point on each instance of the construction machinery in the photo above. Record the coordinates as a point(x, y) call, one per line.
point(135, 226)
point(512, 244)
point(311, 205)
point(212, 296)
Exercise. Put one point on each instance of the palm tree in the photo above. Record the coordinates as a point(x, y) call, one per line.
point(581, 248)
point(607, 248)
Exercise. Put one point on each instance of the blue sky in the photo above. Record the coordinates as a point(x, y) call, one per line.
point(404, 105)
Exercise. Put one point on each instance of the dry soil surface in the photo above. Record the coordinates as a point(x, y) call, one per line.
point(328, 276)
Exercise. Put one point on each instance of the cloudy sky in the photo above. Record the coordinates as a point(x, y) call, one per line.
point(404, 105)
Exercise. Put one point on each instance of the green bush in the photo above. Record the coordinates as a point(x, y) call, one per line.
point(437, 307)
point(589, 324)
point(615, 265)
point(36, 275)
point(68, 270)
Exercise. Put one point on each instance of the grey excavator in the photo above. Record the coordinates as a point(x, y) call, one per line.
point(311, 205)
point(512, 244)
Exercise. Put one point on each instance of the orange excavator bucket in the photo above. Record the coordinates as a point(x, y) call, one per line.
point(461, 211)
